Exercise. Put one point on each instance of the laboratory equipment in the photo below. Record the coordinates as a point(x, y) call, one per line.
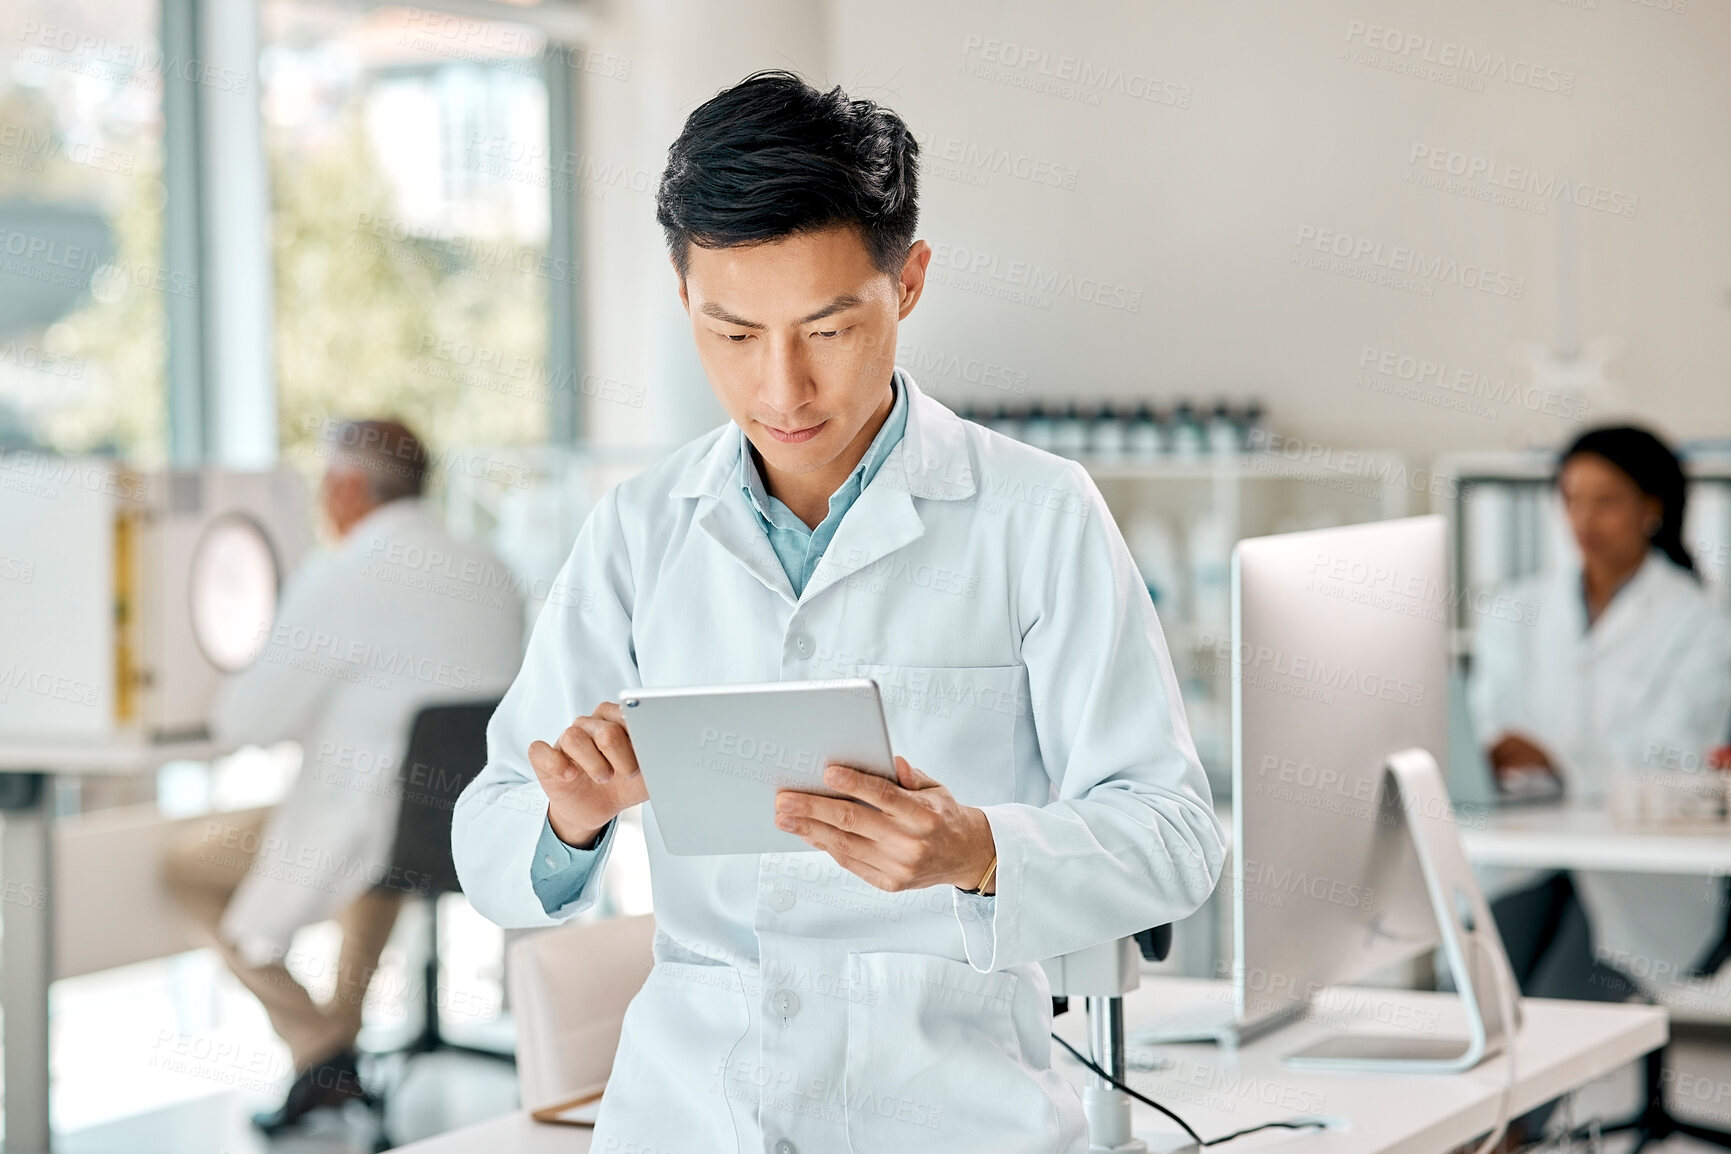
point(144, 589)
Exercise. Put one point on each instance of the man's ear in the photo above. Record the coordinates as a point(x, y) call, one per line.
point(912, 281)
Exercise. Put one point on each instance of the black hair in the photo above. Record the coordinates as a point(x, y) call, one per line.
point(772, 157)
point(1656, 471)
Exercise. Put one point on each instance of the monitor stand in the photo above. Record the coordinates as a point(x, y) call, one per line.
point(1212, 1023)
point(1469, 939)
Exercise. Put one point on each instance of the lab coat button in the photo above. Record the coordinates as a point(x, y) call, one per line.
point(785, 1003)
point(785, 1147)
point(781, 901)
point(803, 644)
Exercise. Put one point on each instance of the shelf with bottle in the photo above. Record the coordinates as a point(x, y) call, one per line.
point(1115, 433)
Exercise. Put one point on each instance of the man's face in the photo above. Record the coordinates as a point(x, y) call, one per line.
point(798, 338)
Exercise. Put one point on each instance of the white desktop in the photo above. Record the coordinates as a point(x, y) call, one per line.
point(1346, 858)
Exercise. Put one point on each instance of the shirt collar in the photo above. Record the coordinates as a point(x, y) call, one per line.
point(751, 481)
point(934, 458)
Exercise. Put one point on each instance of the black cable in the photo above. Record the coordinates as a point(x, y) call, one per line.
point(1182, 1124)
point(1309, 1125)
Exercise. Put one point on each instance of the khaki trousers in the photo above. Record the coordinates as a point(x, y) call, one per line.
point(203, 874)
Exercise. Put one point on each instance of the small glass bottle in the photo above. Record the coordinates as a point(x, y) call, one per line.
point(1070, 433)
point(1037, 427)
point(1223, 432)
point(1107, 435)
point(1256, 437)
point(1185, 431)
point(1142, 441)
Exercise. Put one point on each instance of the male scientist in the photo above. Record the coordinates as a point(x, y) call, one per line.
point(884, 993)
point(398, 616)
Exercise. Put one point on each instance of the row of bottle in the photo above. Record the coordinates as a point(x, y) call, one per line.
point(1142, 432)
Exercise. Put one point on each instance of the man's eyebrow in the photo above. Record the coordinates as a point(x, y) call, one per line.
point(720, 313)
point(846, 301)
point(839, 304)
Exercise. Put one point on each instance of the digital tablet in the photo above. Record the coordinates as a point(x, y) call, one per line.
point(714, 756)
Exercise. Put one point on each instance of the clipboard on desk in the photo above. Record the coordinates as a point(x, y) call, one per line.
point(577, 1110)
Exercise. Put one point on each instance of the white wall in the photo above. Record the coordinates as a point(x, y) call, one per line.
point(679, 54)
point(1263, 124)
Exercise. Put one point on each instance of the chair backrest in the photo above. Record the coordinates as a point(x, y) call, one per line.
point(568, 988)
point(447, 750)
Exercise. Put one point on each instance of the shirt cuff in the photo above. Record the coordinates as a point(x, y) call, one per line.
point(983, 917)
point(559, 872)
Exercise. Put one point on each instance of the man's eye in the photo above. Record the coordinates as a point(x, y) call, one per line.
point(830, 334)
point(737, 338)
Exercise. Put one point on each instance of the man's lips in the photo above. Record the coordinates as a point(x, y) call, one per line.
point(796, 436)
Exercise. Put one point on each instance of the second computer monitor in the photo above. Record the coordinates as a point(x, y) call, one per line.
point(1340, 658)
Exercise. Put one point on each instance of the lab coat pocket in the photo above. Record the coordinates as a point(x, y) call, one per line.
point(935, 1060)
point(958, 723)
point(668, 1088)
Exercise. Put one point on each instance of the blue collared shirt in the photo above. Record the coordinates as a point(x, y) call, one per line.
point(798, 548)
point(559, 872)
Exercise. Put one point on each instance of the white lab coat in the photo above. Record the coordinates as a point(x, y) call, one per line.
point(400, 616)
point(1648, 687)
point(792, 1006)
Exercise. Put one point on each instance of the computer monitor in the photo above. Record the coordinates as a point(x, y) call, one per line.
point(1340, 659)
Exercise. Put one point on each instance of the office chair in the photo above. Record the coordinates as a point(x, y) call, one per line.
point(447, 750)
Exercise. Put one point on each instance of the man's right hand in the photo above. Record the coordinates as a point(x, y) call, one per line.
point(590, 775)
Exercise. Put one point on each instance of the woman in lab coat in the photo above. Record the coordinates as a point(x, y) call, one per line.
point(885, 991)
point(1623, 667)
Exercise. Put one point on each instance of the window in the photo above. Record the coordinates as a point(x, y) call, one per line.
point(81, 279)
point(408, 155)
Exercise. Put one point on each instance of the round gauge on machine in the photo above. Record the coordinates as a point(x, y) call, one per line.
point(233, 589)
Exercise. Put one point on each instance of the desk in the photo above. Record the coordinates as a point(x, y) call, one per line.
point(1584, 837)
point(27, 944)
point(1562, 1046)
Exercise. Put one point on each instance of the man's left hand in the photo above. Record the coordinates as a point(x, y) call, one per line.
point(896, 835)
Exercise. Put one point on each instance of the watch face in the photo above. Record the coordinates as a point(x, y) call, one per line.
point(233, 588)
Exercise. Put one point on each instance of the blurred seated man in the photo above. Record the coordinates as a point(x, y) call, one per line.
point(397, 616)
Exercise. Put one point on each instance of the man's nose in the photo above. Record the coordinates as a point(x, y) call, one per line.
point(786, 383)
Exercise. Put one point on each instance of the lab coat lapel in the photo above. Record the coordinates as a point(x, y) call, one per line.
point(1629, 612)
point(731, 523)
point(882, 520)
point(723, 514)
point(930, 461)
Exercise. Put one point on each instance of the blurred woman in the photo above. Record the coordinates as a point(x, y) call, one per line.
point(1625, 668)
